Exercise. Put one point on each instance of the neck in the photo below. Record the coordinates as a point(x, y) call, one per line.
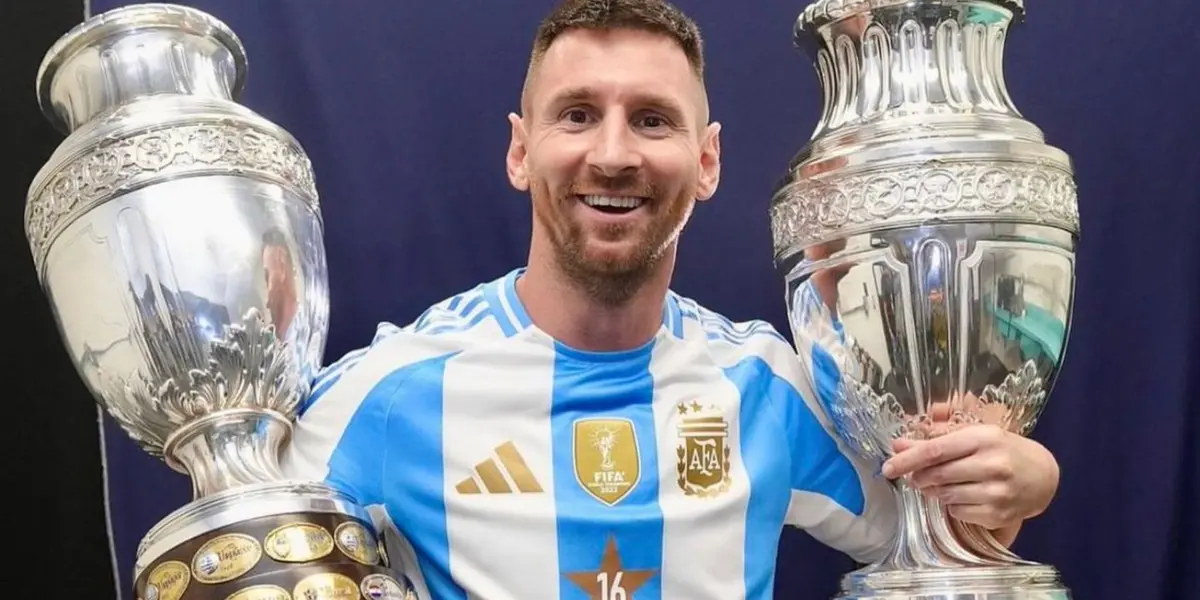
point(570, 314)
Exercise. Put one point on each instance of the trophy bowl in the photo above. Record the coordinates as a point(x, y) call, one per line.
point(178, 237)
point(927, 232)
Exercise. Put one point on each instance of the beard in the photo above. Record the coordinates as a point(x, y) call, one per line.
point(611, 280)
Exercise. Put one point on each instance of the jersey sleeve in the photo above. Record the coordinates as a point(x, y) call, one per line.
point(338, 437)
point(837, 497)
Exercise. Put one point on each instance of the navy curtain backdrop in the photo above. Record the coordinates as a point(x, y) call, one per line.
point(401, 105)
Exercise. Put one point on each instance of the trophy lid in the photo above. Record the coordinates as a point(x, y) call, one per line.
point(116, 73)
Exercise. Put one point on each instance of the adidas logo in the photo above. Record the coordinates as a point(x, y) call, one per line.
point(501, 476)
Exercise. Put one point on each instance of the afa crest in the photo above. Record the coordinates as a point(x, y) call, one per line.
point(608, 463)
point(703, 451)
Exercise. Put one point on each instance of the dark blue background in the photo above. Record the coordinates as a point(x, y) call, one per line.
point(401, 106)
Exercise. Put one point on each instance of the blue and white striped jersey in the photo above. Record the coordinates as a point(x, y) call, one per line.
point(502, 464)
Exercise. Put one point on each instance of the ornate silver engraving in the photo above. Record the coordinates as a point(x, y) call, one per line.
point(248, 367)
point(823, 11)
point(810, 211)
point(112, 168)
point(1019, 399)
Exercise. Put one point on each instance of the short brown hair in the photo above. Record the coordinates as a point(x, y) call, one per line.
point(655, 16)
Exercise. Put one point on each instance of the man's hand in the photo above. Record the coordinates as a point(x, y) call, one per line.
point(981, 473)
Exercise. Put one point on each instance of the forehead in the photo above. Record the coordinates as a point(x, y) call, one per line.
point(617, 63)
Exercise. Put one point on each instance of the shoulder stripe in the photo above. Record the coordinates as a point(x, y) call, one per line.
point(673, 315)
point(455, 312)
point(718, 327)
point(454, 315)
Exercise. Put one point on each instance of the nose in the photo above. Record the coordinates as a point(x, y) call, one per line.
point(614, 152)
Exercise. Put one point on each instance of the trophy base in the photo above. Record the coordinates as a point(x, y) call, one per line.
point(264, 542)
point(1007, 582)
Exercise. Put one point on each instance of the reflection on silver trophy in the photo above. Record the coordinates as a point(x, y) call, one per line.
point(178, 237)
point(928, 233)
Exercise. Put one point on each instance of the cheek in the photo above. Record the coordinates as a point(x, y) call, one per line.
point(555, 161)
point(675, 167)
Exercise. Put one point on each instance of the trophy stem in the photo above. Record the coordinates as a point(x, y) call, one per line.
point(983, 543)
point(912, 548)
point(229, 449)
point(944, 535)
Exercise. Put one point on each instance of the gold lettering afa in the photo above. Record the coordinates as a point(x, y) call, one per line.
point(703, 463)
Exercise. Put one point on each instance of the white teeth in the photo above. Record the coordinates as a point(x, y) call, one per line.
point(617, 201)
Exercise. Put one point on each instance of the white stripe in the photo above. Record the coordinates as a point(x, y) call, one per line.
point(683, 372)
point(490, 399)
point(108, 523)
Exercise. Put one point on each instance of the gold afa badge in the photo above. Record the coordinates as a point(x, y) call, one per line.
point(261, 592)
point(703, 453)
point(326, 586)
point(608, 463)
point(168, 581)
point(298, 542)
point(226, 558)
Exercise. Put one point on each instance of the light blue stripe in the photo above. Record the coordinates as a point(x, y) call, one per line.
point(762, 433)
point(421, 320)
point(820, 466)
point(674, 317)
point(492, 292)
point(413, 479)
point(510, 293)
point(461, 326)
point(476, 300)
point(614, 386)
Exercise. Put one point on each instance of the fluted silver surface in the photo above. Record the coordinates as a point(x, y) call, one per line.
point(928, 232)
point(178, 237)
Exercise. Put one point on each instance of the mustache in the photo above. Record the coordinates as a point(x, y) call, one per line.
point(621, 185)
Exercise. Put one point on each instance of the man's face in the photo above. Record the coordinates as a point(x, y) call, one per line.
point(614, 149)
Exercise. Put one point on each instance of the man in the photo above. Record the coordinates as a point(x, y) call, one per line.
point(574, 429)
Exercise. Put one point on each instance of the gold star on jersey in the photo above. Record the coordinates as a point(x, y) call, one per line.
point(611, 581)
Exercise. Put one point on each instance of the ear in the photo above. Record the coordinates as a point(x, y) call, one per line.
point(517, 173)
point(710, 162)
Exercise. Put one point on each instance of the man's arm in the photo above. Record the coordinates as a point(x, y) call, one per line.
point(339, 428)
point(837, 498)
point(824, 466)
point(341, 424)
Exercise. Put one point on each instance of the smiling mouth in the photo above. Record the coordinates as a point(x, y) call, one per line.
point(613, 205)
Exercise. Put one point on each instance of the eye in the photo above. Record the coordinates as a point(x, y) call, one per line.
point(576, 116)
point(653, 121)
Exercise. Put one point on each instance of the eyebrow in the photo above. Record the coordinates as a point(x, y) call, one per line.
point(655, 101)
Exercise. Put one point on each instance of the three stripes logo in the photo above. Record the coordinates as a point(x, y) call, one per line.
point(506, 473)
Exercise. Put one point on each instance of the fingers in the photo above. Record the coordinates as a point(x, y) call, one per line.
point(923, 454)
point(985, 515)
point(927, 453)
point(965, 494)
point(979, 467)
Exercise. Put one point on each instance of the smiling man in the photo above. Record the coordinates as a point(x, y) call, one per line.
point(575, 429)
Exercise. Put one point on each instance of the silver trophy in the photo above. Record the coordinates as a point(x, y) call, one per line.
point(928, 233)
point(178, 237)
